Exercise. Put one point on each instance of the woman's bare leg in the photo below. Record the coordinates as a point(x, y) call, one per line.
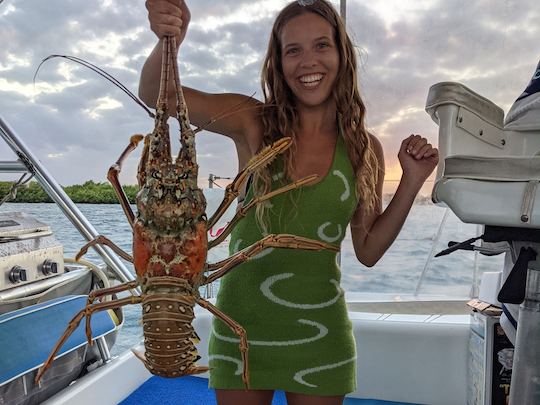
point(251, 397)
point(301, 399)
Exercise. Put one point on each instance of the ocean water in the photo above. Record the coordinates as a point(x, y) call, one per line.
point(407, 268)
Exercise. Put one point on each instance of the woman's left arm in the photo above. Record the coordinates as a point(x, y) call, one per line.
point(373, 233)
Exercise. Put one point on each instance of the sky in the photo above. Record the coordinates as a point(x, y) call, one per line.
point(78, 123)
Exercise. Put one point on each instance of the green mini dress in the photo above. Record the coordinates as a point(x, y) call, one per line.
point(290, 301)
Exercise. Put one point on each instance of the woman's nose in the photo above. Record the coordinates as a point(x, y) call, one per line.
point(308, 60)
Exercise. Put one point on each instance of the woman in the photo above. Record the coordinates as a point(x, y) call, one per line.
point(289, 301)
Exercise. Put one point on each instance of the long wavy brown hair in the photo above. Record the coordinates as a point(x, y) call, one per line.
point(280, 115)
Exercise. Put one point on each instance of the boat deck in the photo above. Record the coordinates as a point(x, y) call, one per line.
point(432, 368)
point(195, 391)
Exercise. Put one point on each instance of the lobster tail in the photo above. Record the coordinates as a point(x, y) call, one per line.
point(169, 338)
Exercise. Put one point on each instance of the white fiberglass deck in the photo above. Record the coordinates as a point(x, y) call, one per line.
point(418, 358)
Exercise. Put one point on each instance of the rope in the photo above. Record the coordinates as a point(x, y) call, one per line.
point(12, 194)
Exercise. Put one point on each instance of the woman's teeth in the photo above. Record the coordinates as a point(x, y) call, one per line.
point(311, 80)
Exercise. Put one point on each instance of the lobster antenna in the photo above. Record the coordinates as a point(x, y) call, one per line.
point(226, 113)
point(100, 72)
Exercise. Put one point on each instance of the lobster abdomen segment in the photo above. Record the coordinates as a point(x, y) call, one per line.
point(169, 338)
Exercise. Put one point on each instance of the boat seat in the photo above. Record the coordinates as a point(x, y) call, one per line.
point(457, 94)
point(490, 170)
point(29, 334)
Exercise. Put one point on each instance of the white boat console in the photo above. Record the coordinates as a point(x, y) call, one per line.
point(490, 172)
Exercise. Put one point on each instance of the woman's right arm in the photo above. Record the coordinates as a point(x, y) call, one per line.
point(240, 123)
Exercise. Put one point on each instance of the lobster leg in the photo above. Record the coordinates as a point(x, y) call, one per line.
point(277, 241)
point(141, 169)
point(238, 330)
point(106, 291)
point(241, 213)
point(261, 159)
point(103, 240)
point(111, 290)
point(113, 173)
point(87, 311)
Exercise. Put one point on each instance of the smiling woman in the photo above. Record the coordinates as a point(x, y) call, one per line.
point(311, 96)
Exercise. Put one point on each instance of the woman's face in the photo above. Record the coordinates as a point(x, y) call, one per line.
point(310, 58)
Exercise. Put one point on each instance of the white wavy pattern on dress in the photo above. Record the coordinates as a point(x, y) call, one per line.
point(236, 246)
point(299, 376)
point(265, 252)
point(277, 176)
point(323, 331)
point(347, 193)
point(267, 284)
point(238, 362)
point(327, 238)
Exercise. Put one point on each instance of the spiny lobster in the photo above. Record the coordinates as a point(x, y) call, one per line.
point(170, 240)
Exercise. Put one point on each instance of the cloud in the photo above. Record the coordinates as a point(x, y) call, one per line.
point(490, 47)
point(80, 123)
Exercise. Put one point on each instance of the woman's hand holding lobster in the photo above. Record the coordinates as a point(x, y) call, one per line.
point(168, 18)
point(418, 158)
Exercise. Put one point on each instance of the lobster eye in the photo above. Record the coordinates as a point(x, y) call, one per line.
point(156, 174)
point(183, 176)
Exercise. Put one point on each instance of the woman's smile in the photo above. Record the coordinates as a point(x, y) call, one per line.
point(311, 81)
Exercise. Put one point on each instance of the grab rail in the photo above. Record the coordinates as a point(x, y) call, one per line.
point(432, 252)
point(28, 162)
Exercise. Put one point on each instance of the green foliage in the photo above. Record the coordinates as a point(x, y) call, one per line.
point(89, 192)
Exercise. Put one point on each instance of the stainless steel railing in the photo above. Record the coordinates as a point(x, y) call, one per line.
point(29, 163)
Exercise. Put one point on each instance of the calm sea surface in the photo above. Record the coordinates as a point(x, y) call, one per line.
point(426, 231)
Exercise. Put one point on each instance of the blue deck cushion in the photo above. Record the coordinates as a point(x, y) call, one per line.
point(194, 391)
point(28, 335)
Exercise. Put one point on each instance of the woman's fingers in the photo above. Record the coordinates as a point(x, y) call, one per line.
point(431, 152)
point(422, 151)
point(418, 147)
point(168, 17)
point(413, 143)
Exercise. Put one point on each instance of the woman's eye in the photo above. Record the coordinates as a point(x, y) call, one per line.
point(321, 45)
point(292, 51)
